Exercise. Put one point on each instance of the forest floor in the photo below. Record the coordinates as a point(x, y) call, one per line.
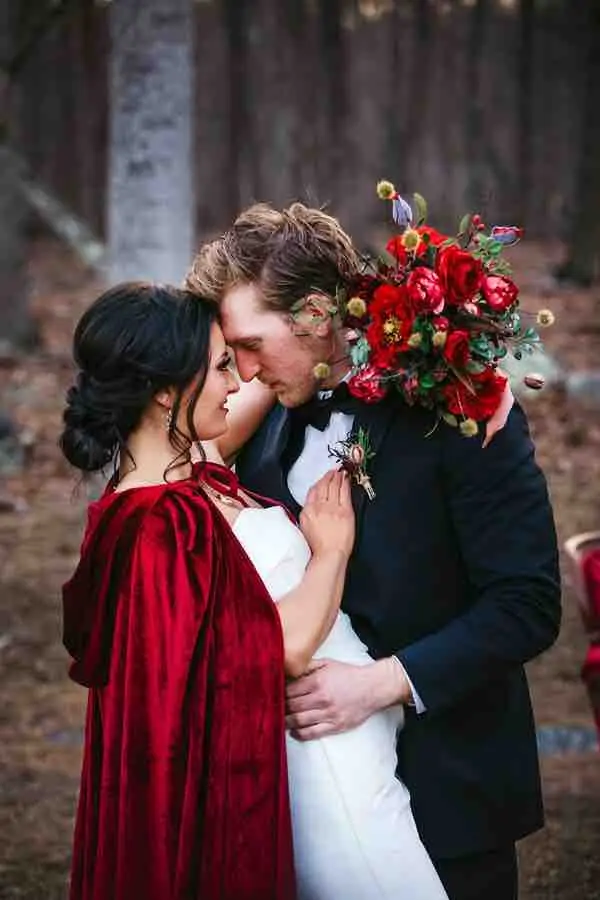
point(41, 519)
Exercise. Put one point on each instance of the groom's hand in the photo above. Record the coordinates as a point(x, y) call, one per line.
point(334, 696)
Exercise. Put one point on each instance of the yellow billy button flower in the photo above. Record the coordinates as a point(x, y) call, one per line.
point(468, 428)
point(410, 240)
point(545, 318)
point(439, 339)
point(356, 307)
point(385, 190)
point(415, 340)
point(321, 371)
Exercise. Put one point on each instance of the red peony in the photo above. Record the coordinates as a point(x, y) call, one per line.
point(435, 237)
point(391, 324)
point(499, 292)
point(456, 349)
point(366, 385)
point(488, 386)
point(396, 248)
point(424, 291)
point(460, 273)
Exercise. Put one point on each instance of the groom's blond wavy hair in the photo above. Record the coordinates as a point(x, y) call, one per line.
point(287, 253)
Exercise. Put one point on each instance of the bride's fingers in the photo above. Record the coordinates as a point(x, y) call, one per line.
point(498, 420)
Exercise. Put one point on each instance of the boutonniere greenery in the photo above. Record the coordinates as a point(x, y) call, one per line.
point(354, 455)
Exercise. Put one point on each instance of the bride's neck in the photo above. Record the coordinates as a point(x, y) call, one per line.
point(149, 455)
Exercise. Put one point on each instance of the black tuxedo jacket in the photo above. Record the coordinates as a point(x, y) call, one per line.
point(455, 570)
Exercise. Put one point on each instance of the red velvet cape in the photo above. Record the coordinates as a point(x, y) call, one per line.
point(184, 783)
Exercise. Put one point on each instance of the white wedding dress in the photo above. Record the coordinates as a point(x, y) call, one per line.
point(354, 833)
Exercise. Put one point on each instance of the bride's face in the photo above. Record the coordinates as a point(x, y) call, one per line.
point(210, 411)
point(266, 346)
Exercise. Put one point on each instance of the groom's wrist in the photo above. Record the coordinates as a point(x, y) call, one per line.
point(391, 686)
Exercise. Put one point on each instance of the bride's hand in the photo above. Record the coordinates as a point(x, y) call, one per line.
point(327, 519)
point(499, 419)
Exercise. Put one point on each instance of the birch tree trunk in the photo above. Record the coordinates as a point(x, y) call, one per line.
point(150, 185)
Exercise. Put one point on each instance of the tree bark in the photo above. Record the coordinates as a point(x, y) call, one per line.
point(16, 327)
point(150, 189)
point(583, 262)
point(525, 123)
point(474, 124)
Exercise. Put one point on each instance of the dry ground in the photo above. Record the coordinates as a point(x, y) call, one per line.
point(41, 710)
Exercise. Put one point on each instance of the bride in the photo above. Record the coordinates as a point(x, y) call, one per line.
point(353, 828)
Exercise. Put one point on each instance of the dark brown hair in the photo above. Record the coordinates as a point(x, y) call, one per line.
point(134, 340)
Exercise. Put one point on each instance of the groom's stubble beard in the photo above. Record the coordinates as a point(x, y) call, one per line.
point(333, 351)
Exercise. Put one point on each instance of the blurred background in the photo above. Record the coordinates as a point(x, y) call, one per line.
point(131, 131)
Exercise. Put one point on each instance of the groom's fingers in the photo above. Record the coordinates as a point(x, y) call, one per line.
point(304, 702)
point(308, 719)
point(315, 731)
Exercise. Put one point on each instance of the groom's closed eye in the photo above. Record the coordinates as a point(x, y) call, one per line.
point(248, 344)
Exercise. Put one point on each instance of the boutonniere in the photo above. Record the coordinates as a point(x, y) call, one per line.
point(354, 455)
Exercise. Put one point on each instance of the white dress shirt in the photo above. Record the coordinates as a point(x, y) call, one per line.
point(314, 461)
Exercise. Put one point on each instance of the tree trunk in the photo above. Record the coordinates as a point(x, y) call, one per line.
point(16, 327)
point(333, 58)
point(474, 124)
point(525, 108)
point(150, 191)
point(583, 263)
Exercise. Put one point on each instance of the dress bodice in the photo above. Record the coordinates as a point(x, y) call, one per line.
point(280, 554)
point(275, 546)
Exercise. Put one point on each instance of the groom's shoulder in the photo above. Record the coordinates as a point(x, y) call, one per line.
point(418, 430)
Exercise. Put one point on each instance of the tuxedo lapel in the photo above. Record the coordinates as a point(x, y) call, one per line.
point(375, 419)
point(275, 457)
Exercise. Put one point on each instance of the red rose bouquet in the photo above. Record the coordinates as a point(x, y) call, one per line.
point(435, 319)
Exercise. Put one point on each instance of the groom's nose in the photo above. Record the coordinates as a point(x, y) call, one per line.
point(247, 366)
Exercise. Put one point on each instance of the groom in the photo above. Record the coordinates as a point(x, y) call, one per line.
point(453, 584)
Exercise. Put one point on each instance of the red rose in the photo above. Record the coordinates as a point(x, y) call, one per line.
point(499, 292)
point(456, 349)
point(441, 323)
point(460, 273)
point(424, 291)
point(481, 405)
point(366, 385)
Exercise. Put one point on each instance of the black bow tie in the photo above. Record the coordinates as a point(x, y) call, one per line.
point(317, 411)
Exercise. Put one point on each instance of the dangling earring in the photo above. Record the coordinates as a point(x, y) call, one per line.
point(169, 419)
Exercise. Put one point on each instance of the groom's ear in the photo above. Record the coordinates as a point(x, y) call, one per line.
point(317, 314)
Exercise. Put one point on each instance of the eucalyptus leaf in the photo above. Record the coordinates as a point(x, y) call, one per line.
point(475, 368)
point(464, 226)
point(449, 419)
point(420, 208)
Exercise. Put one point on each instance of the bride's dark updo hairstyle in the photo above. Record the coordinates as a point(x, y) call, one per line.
point(135, 340)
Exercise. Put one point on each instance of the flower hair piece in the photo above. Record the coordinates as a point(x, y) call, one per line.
point(434, 321)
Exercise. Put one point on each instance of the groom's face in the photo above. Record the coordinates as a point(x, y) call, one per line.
point(266, 346)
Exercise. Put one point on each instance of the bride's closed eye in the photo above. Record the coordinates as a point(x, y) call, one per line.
point(225, 362)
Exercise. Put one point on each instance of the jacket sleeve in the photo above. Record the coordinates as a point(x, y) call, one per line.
point(503, 520)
